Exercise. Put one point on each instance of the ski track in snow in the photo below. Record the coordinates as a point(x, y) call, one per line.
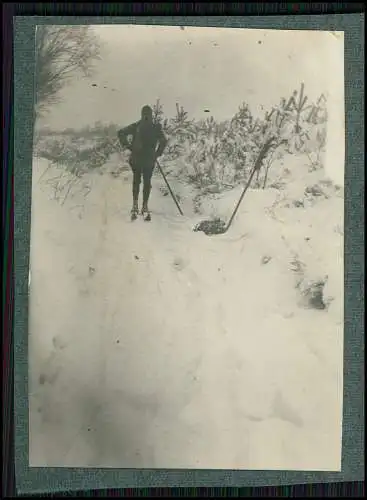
point(155, 346)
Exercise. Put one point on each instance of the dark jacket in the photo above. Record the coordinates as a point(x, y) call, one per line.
point(145, 139)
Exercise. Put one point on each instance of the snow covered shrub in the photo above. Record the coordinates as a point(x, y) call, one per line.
point(80, 152)
point(74, 155)
point(309, 127)
point(67, 154)
point(182, 133)
point(203, 159)
point(216, 156)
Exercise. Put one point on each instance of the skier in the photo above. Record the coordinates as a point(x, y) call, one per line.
point(146, 136)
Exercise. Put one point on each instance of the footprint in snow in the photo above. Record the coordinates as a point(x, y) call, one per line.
point(284, 411)
point(179, 264)
point(59, 342)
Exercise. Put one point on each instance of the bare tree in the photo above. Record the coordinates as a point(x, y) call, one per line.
point(61, 53)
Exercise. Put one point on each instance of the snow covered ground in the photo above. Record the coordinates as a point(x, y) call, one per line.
point(155, 346)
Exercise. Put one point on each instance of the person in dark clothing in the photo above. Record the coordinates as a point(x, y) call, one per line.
point(146, 136)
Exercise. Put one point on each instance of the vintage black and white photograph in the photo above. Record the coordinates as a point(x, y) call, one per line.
point(186, 274)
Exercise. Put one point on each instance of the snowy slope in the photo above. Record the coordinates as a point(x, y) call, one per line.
point(155, 346)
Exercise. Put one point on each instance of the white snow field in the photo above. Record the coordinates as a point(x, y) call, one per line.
point(154, 346)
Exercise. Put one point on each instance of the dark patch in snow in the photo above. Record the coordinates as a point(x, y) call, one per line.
point(58, 342)
point(297, 266)
point(316, 300)
point(288, 315)
point(48, 378)
point(164, 191)
point(315, 190)
point(253, 418)
point(281, 409)
point(326, 182)
point(142, 402)
point(265, 259)
point(313, 294)
point(178, 264)
point(211, 227)
point(136, 257)
point(277, 185)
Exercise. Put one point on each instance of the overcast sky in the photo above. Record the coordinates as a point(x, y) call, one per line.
point(202, 68)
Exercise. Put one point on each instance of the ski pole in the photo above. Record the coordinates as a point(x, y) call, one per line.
point(169, 188)
point(241, 198)
point(257, 166)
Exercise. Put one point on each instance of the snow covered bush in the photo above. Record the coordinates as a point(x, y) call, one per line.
point(216, 156)
point(75, 154)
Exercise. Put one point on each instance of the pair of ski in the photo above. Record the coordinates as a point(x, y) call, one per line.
point(146, 215)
